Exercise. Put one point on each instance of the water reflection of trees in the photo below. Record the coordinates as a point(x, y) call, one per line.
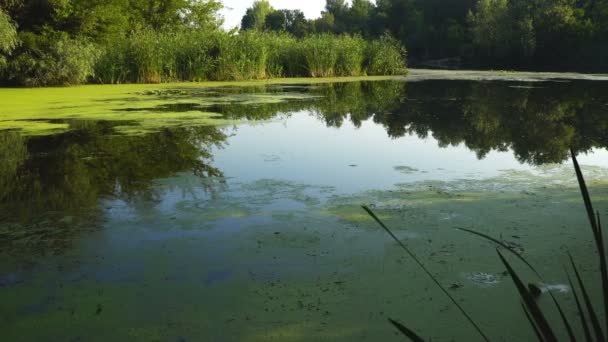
point(71, 170)
point(51, 186)
point(539, 122)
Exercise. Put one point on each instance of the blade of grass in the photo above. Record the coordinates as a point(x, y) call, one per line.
point(565, 320)
point(502, 244)
point(406, 332)
point(585, 193)
point(592, 315)
point(531, 305)
point(581, 312)
point(536, 331)
point(597, 233)
point(603, 268)
point(413, 256)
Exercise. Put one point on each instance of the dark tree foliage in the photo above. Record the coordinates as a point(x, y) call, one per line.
point(255, 17)
point(8, 38)
point(291, 21)
point(525, 34)
point(59, 41)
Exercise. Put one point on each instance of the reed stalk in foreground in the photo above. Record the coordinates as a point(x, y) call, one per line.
point(543, 329)
point(413, 256)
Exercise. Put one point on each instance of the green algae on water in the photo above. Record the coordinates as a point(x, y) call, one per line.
point(142, 108)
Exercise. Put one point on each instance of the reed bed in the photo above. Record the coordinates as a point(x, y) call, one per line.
point(149, 56)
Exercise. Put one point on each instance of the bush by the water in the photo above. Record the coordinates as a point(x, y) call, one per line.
point(51, 59)
point(150, 56)
point(385, 56)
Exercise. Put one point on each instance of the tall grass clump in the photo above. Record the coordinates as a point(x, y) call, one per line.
point(320, 54)
point(386, 56)
point(147, 54)
point(351, 55)
point(285, 56)
point(112, 66)
point(195, 54)
point(139, 58)
point(242, 57)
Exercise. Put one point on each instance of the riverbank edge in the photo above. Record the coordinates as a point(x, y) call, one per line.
point(412, 75)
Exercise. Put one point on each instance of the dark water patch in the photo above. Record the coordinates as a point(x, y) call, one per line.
point(215, 277)
point(43, 306)
point(11, 279)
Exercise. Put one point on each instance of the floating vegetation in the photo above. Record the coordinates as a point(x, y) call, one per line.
point(142, 108)
point(559, 288)
point(406, 169)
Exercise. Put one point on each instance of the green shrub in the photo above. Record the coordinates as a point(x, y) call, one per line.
point(8, 38)
point(52, 59)
point(75, 61)
point(386, 56)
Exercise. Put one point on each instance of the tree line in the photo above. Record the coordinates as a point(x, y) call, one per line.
point(522, 34)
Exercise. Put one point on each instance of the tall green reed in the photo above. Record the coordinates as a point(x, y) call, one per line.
point(149, 56)
point(321, 55)
point(351, 55)
point(242, 57)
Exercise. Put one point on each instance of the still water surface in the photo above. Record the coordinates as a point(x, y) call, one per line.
point(247, 225)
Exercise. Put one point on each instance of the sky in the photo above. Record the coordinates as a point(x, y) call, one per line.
point(235, 9)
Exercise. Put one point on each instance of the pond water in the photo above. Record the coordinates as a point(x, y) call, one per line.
point(218, 213)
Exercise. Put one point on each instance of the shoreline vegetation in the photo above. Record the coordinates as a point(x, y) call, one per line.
point(70, 42)
point(195, 56)
point(187, 55)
